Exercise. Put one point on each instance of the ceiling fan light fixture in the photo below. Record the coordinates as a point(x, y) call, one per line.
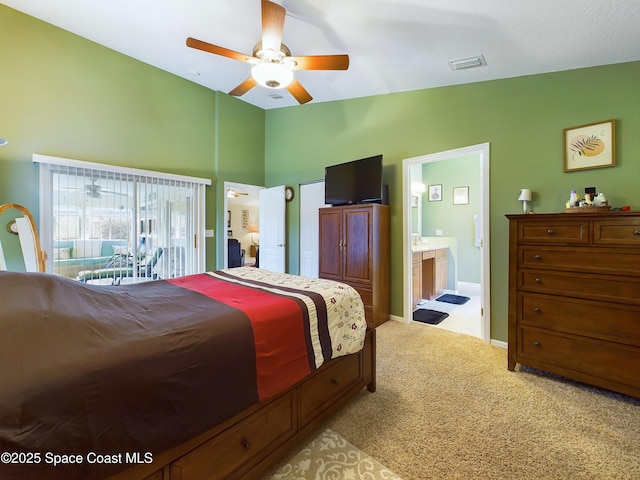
point(272, 75)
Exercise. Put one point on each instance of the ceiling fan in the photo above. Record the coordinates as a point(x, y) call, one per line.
point(273, 64)
point(231, 193)
point(94, 190)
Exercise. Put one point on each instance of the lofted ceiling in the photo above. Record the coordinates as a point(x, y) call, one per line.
point(393, 45)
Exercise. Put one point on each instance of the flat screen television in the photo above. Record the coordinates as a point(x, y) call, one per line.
point(358, 181)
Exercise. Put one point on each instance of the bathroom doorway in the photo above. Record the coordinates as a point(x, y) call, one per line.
point(433, 190)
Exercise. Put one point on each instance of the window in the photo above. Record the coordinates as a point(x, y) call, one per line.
point(110, 225)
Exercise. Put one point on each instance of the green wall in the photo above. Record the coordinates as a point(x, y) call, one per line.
point(454, 220)
point(523, 120)
point(65, 96)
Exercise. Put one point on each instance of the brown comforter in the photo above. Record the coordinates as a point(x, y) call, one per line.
point(98, 378)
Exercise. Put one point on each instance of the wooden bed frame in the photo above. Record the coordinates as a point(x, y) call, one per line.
point(244, 446)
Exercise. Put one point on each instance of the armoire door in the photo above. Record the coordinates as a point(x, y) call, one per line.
point(330, 247)
point(357, 245)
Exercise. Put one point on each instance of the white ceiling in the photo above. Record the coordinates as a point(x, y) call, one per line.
point(393, 45)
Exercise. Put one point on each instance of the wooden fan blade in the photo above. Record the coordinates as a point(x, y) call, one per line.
point(298, 91)
point(244, 87)
point(272, 25)
point(321, 62)
point(225, 52)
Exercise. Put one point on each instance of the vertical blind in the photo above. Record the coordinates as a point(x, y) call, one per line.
point(111, 225)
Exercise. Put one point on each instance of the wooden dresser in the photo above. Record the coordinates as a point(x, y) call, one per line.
point(354, 249)
point(574, 296)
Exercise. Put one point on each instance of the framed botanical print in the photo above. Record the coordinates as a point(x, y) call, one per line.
point(589, 146)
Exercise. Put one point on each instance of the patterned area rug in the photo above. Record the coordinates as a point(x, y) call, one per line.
point(330, 457)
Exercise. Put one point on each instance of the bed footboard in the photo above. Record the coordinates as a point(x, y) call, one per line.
point(249, 443)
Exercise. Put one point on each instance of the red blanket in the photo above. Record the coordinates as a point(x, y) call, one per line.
point(280, 329)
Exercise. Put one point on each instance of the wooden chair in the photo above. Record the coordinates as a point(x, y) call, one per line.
point(25, 227)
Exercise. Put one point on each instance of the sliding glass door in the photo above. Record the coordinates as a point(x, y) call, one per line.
point(109, 225)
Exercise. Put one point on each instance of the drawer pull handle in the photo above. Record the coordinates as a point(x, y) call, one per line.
point(636, 232)
point(536, 344)
point(537, 280)
point(537, 310)
point(549, 232)
point(538, 257)
point(246, 444)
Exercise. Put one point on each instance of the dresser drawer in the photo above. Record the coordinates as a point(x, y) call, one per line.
point(606, 321)
point(609, 361)
point(261, 431)
point(318, 393)
point(587, 285)
point(623, 231)
point(573, 232)
point(584, 259)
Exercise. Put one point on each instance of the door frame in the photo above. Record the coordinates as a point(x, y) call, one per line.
point(483, 151)
point(224, 236)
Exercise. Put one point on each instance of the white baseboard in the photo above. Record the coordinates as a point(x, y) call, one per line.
point(499, 343)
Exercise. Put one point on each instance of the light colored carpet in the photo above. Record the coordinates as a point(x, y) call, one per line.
point(446, 407)
point(331, 457)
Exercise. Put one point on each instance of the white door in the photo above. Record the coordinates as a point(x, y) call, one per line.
point(272, 229)
point(311, 200)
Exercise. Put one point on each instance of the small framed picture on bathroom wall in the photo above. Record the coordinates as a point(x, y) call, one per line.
point(461, 195)
point(435, 193)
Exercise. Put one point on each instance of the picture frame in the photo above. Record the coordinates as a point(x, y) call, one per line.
point(461, 195)
point(245, 219)
point(589, 146)
point(435, 193)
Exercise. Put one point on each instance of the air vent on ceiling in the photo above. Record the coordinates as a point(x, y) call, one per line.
point(470, 62)
point(276, 96)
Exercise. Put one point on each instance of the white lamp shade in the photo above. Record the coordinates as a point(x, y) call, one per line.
point(525, 194)
point(272, 75)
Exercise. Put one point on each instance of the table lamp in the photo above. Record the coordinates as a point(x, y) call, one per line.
point(525, 196)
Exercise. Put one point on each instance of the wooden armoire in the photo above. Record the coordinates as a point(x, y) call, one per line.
point(354, 249)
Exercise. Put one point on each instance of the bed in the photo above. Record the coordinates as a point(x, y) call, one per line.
point(213, 375)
